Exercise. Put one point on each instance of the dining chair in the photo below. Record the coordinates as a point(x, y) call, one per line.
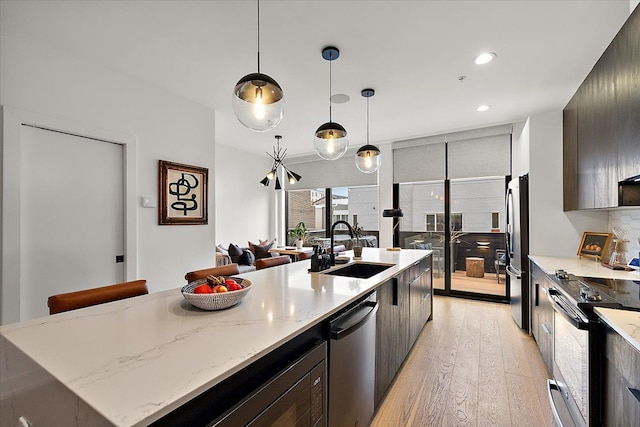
point(94, 296)
point(225, 270)
point(500, 263)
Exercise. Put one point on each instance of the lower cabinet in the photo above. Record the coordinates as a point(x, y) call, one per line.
point(420, 299)
point(404, 306)
point(542, 314)
point(621, 381)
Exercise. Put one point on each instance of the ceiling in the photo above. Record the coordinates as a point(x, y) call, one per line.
point(411, 52)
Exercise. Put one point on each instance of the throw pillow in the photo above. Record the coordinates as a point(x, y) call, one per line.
point(262, 251)
point(222, 250)
point(247, 258)
point(234, 252)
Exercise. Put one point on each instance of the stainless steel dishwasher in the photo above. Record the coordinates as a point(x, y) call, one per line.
point(352, 364)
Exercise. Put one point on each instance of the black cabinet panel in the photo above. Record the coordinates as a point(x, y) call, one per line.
point(601, 125)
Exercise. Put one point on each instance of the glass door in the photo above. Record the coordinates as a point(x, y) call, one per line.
point(477, 236)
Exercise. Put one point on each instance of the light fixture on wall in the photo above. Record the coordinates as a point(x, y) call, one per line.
point(258, 100)
point(368, 156)
point(331, 140)
point(278, 160)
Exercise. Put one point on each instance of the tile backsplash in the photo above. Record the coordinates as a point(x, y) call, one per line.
point(629, 220)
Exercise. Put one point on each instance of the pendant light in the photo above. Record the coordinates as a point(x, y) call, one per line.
point(258, 100)
point(278, 160)
point(331, 140)
point(368, 156)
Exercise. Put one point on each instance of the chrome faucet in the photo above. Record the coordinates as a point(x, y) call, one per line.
point(333, 226)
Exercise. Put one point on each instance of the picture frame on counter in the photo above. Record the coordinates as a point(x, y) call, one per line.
point(183, 194)
point(594, 244)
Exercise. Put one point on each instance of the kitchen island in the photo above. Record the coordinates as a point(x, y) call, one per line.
point(130, 362)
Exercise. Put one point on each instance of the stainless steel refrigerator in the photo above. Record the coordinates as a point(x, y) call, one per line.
point(517, 209)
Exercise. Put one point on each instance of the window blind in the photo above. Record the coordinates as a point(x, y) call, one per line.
point(471, 153)
point(319, 173)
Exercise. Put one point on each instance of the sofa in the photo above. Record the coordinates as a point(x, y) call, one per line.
point(245, 256)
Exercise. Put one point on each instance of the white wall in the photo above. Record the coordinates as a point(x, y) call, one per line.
point(552, 231)
point(520, 149)
point(244, 208)
point(629, 221)
point(39, 78)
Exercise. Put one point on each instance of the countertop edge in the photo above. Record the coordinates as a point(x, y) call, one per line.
point(623, 322)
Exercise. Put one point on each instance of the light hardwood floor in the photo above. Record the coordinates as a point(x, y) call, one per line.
point(471, 365)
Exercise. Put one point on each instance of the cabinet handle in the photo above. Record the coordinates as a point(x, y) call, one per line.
point(634, 392)
point(546, 329)
point(395, 291)
point(537, 294)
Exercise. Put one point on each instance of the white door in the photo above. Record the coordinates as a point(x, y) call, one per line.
point(72, 216)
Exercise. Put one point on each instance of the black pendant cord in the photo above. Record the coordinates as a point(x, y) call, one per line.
point(367, 120)
point(258, 36)
point(330, 61)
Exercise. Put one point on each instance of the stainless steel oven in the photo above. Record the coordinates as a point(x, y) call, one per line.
point(571, 361)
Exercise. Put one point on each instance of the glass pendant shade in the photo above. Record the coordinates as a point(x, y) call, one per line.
point(258, 102)
point(368, 158)
point(331, 141)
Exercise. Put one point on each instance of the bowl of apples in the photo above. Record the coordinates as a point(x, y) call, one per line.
point(216, 292)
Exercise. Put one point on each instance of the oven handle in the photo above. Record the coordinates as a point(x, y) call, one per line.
point(564, 308)
point(553, 385)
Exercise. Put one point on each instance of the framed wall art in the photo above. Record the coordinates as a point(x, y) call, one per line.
point(594, 245)
point(183, 194)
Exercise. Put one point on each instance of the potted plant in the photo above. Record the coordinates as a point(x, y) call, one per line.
point(358, 233)
point(300, 233)
point(454, 241)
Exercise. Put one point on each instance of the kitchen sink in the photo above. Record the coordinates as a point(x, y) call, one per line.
point(360, 270)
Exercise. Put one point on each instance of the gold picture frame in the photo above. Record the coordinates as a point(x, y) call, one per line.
point(594, 245)
point(183, 194)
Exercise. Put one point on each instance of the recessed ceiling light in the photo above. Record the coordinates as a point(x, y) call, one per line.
point(485, 58)
point(340, 98)
point(483, 107)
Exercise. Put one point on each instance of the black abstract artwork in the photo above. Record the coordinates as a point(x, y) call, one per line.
point(183, 194)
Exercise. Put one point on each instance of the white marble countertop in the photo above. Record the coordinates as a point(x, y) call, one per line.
point(624, 322)
point(582, 267)
point(137, 359)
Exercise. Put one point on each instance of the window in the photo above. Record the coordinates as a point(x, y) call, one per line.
point(495, 221)
point(434, 221)
point(456, 221)
point(306, 206)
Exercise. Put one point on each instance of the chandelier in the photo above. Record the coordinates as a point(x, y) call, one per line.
point(278, 160)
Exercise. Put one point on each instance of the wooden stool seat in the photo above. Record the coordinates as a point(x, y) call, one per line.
point(88, 297)
point(225, 270)
point(475, 267)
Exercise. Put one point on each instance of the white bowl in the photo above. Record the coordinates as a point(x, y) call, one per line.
point(218, 301)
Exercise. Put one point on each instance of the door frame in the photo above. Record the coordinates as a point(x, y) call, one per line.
point(11, 121)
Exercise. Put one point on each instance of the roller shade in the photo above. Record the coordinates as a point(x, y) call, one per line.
point(419, 163)
point(318, 173)
point(472, 153)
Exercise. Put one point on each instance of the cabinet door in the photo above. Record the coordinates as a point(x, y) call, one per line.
point(387, 332)
point(622, 381)
point(420, 301)
point(542, 314)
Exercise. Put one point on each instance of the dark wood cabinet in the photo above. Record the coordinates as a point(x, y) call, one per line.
point(390, 339)
point(541, 314)
point(601, 124)
point(621, 381)
point(404, 306)
point(420, 299)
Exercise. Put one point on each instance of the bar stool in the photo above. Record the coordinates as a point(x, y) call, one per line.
point(88, 297)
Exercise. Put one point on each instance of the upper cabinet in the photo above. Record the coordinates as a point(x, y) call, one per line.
point(602, 125)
